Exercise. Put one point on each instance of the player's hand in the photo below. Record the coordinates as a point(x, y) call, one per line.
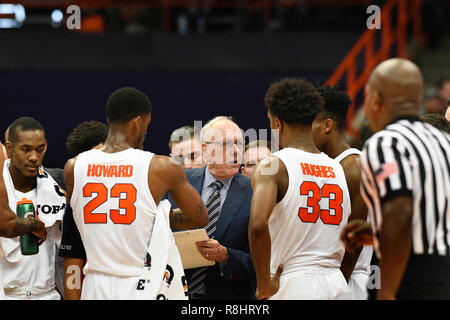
point(40, 231)
point(273, 287)
point(212, 250)
point(357, 233)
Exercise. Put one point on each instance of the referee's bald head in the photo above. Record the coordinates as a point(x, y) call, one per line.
point(399, 81)
point(394, 89)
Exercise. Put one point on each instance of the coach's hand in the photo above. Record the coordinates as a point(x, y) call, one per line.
point(357, 233)
point(263, 291)
point(212, 250)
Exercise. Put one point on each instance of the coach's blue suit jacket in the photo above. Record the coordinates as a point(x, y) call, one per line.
point(237, 279)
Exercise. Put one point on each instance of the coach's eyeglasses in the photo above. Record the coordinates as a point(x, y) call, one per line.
point(228, 144)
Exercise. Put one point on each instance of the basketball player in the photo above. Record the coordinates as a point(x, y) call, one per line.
point(328, 135)
point(11, 225)
point(114, 192)
point(300, 204)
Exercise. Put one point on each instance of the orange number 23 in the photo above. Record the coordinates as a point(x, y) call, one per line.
point(102, 196)
point(309, 187)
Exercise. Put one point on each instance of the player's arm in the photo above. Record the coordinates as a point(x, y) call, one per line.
point(72, 266)
point(74, 257)
point(167, 176)
point(73, 273)
point(68, 177)
point(352, 169)
point(265, 191)
point(395, 244)
point(12, 226)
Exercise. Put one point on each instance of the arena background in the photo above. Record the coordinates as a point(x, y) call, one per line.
point(221, 65)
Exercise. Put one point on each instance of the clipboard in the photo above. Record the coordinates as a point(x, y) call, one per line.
point(190, 256)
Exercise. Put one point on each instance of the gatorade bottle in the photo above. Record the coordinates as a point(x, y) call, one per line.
point(28, 242)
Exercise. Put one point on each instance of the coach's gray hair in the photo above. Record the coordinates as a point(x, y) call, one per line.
point(211, 123)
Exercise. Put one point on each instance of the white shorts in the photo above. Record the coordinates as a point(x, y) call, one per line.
point(50, 295)
point(100, 286)
point(358, 286)
point(312, 284)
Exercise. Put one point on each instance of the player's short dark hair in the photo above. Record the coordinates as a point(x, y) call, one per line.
point(23, 124)
point(336, 104)
point(127, 103)
point(85, 136)
point(295, 101)
point(437, 120)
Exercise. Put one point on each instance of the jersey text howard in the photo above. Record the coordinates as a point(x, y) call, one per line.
point(109, 171)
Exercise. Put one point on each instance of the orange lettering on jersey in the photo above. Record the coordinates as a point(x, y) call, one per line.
point(306, 169)
point(91, 170)
point(324, 171)
point(316, 170)
point(105, 170)
point(109, 171)
point(129, 170)
point(332, 175)
point(114, 172)
point(98, 171)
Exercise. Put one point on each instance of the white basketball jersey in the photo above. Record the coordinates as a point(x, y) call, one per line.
point(363, 263)
point(114, 209)
point(306, 224)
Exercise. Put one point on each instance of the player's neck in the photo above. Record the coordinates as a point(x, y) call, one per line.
point(117, 141)
point(299, 139)
point(336, 146)
point(21, 183)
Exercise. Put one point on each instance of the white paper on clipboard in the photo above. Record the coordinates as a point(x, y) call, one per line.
point(190, 256)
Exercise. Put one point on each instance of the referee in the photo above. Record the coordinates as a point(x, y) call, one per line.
point(405, 183)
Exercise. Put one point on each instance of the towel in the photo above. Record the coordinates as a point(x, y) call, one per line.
point(50, 208)
point(163, 274)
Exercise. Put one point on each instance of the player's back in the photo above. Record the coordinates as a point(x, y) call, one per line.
point(305, 225)
point(114, 209)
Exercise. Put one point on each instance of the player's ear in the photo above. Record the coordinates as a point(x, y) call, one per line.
point(135, 122)
point(328, 125)
point(8, 147)
point(278, 123)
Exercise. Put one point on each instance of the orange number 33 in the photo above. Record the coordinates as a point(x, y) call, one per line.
point(313, 203)
point(102, 196)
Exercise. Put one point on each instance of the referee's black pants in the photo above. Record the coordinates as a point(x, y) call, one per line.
point(426, 277)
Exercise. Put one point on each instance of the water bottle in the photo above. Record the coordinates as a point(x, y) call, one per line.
point(28, 242)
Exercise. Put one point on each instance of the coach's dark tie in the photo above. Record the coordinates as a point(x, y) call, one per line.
point(197, 281)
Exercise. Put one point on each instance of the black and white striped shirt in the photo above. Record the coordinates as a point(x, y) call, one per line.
point(410, 157)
